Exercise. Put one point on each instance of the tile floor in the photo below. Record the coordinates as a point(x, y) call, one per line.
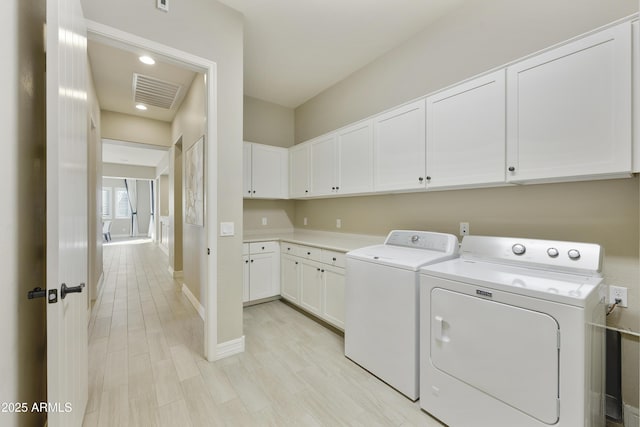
point(147, 369)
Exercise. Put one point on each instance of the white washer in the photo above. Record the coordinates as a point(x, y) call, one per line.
point(381, 304)
point(512, 334)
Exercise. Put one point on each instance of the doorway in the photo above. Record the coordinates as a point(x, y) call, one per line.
point(207, 69)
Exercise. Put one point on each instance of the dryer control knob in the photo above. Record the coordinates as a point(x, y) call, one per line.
point(518, 249)
point(574, 254)
point(553, 252)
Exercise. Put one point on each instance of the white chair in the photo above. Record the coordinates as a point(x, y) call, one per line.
point(106, 230)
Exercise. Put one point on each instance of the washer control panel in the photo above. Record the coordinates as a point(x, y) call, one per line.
point(549, 254)
point(423, 240)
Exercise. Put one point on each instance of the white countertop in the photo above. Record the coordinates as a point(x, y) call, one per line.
point(341, 242)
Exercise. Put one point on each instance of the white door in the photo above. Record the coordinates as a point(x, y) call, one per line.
point(355, 159)
point(466, 134)
point(67, 318)
point(299, 171)
point(508, 352)
point(269, 171)
point(569, 110)
point(399, 148)
point(323, 165)
point(247, 186)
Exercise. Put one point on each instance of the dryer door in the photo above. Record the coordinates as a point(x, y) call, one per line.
point(505, 351)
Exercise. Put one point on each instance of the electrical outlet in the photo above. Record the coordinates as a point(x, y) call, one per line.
point(338, 223)
point(163, 5)
point(264, 220)
point(618, 292)
point(464, 228)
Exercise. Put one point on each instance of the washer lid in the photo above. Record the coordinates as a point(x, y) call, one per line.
point(399, 257)
point(566, 288)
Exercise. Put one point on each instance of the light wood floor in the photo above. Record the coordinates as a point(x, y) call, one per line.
point(147, 369)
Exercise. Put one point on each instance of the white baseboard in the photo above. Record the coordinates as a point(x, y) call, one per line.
point(193, 300)
point(230, 348)
point(175, 274)
point(631, 416)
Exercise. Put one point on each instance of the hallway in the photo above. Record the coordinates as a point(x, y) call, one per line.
point(146, 366)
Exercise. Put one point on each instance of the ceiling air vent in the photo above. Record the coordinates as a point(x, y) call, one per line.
point(151, 91)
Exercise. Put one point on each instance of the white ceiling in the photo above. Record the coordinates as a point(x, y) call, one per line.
point(295, 49)
point(112, 71)
point(131, 153)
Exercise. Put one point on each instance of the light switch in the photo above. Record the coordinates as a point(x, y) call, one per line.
point(227, 228)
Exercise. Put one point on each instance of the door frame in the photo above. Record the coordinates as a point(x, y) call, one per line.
point(127, 41)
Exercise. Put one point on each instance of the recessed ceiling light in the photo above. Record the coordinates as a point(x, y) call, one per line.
point(141, 107)
point(147, 60)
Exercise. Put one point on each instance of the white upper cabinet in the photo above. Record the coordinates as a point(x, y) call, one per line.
point(355, 159)
point(299, 171)
point(466, 134)
point(323, 165)
point(569, 110)
point(266, 171)
point(399, 148)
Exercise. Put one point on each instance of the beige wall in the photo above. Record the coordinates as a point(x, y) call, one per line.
point(280, 215)
point(94, 186)
point(22, 185)
point(128, 171)
point(163, 195)
point(189, 125)
point(268, 123)
point(479, 36)
point(125, 127)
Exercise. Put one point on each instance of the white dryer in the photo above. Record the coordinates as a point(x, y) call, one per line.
point(381, 304)
point(512, 334)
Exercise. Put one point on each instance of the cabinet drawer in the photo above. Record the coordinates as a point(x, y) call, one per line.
point(334, 258)
point(263, 247)
point(309, 252)
point(289, 248)
point(245, 249)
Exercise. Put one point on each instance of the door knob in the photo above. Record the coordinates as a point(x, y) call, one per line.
point(64, 290)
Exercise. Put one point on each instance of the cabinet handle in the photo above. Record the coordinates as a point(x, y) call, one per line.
point(263, 248)
point(246, 262)
point(318, 269)
point(333, 188)
point(428, 178)
point(308, 253)
point(334, 258)
point(322, 271)
point(511, 169)
point(337, 188)
point(296, 262)
point(251, 260)
point(249, 191)
point(420, 179)
point(254, 191)
point(306, 191)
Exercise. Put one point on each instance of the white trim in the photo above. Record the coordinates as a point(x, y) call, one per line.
point(193, 300)
point(631, 416)
point(118, 37)
point(99, 285)
point(175, 274)
point(229, 348)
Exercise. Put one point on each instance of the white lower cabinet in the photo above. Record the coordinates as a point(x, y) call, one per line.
point(261, 279)
point(313, 279)
point(333, 284)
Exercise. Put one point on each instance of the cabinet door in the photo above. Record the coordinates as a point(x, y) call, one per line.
point(635, 27)
point(323, 165)
point(245, 278)
point(263, 276)
point(290, 278)
point(299, 171)
point(399, 148)
point(333, 295)
point(355, 159)
point(569, 110)
point(269, 171)
point(311, 286)
point(246, 169)
point(466, 134)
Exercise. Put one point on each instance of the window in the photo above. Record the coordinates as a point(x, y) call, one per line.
point(122, 203)
point(107, 211)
